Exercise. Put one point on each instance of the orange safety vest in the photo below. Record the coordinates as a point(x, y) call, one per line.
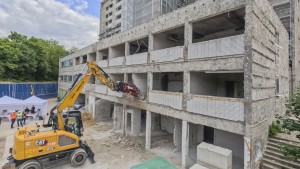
point(13, 115)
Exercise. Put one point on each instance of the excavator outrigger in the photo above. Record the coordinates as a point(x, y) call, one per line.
point(42, 146)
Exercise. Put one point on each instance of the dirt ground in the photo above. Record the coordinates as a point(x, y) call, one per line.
point(112, 150)
point(2, 143)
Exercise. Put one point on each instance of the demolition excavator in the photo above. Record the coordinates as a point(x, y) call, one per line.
point(58, 142)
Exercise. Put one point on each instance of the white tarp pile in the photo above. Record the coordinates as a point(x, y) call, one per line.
point(8, 105)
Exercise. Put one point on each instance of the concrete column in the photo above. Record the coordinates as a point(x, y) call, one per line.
point(247, 153)
point(88, 57)
point(150, 83)
point(177, 136)
point(98, 56)
point(127, 51)
point(80, 59)
point(125, 77)
point(185, 144)
point(151, 42)
point(91, 109)
point(110, 52)
point(186, 88)
point(124, 126)
point(118, 116)
point(148, 130)
point(136, 121)
point(127, 48)
point(188, 38)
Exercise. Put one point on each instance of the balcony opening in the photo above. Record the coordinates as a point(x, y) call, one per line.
point(92, 57)
point(103, 54)
point(227, 24)
point(168, 39)
point(166, 136)
point(118, 51)
point(139, 46)
point(117, 77)
point(84, 59)
point(77, 61)
point(217, 84)
point(233, 142)
point(196, 137)
point(135, 123)
point(171, 82)
point(140, 80)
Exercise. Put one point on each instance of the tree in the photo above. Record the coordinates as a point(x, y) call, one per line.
point(29, 59)
point(72, 49)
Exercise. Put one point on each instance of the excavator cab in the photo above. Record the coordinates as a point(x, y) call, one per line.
point(73, 122)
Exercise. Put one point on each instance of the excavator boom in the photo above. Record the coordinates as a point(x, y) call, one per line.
point(78, 85)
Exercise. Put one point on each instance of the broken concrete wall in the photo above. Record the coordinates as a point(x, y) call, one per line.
point(118, 116)
point(266, 45)
point(103, 110)
point(140, 80)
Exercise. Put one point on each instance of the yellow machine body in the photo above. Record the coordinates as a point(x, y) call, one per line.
point(37, 144)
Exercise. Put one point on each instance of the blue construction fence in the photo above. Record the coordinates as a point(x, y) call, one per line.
point(24, 90)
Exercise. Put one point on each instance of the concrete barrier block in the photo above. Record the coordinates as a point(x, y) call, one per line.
point(198, 166)
point(214, 156)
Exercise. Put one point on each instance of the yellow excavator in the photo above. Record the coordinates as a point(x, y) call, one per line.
point(58, 142)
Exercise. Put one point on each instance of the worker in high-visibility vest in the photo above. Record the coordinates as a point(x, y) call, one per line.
point(20, 118)
point(13, 117)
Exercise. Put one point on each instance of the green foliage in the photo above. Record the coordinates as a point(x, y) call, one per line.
point(274, 129)
point(29, 59)
point(291, 152)
point(290, 124)
point(293, 104)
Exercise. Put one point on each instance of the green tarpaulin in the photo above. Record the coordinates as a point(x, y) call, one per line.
point(156, 163)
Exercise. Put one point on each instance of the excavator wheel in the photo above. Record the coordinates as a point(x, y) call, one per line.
point(30, 164)
point(78, 157)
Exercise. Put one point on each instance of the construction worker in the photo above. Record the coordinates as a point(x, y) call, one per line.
point(19, 118)
point(24, 117)
point(13, 117)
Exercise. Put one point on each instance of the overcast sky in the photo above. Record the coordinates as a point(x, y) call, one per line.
point(71, 22)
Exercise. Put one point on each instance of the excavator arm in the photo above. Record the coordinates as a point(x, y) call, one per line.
point(79, 83)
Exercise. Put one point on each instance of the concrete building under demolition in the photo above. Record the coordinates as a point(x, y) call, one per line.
point(215, 71)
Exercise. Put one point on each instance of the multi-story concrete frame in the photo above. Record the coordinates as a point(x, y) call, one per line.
point(289, 13)
point(214, 71)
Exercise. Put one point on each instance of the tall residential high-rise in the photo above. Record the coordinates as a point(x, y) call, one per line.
point(120, 15)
